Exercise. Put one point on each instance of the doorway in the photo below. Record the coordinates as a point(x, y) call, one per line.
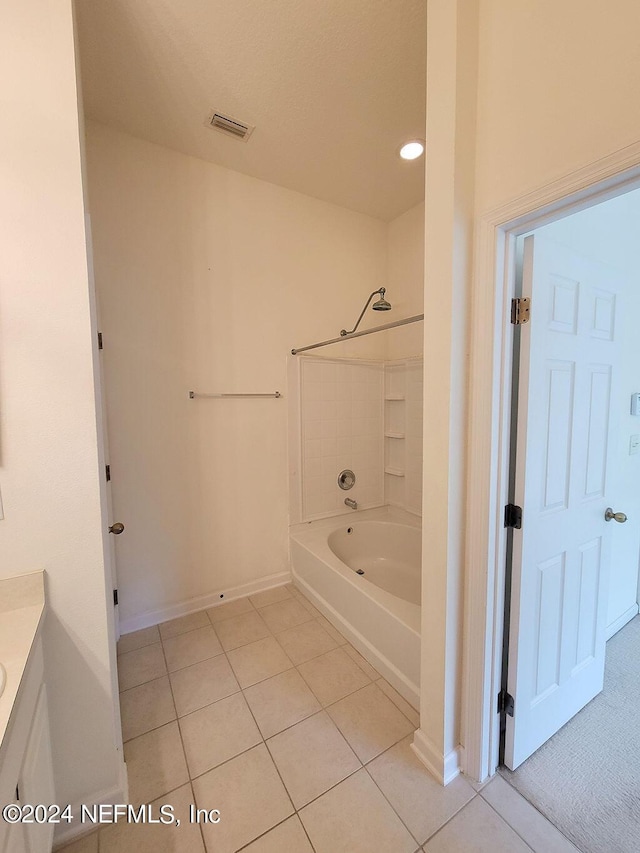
point(574, 585)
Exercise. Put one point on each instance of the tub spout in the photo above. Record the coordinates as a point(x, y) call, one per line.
point(350, 502)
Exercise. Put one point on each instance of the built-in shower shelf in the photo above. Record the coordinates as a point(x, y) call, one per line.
point(395, 472)
point(394, 397)
point(394, 435)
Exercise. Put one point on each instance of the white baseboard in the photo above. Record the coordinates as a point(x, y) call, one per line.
point(621, 621)
point(65, 833)
point(191, 605)
point(444, 768)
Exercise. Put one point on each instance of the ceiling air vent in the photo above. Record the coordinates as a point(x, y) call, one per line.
point(230, 126)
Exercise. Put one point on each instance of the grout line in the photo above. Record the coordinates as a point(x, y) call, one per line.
point(527, 800)
point(200, 825)
point(505, 821)
point(182, 633)
point(322, 709)
point(392, 807)
point(184, 752)
point(450, 818)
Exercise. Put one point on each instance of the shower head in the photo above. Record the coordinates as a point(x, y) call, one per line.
point(380, 305)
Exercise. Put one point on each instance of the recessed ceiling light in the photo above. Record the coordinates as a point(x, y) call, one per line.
point(412, 150)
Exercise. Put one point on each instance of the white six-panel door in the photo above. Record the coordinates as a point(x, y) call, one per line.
point(569, 363)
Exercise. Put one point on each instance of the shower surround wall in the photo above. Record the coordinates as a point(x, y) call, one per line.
point(361, 416)
point(342, 427)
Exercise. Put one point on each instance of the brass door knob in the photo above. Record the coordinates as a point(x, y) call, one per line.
point(116, 528)
point(609, 514)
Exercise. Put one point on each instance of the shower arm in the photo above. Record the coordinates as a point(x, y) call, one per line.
point(381, 291)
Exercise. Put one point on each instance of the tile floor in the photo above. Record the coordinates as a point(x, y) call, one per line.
point(261, 709)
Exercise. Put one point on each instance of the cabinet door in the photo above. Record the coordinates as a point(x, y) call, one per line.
point(16, 840)
point(36, 779)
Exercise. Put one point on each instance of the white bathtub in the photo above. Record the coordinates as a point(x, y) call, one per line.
point(378, 611)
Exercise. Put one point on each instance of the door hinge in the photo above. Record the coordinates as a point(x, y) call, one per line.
point(115, 597)
point(99, 340)
point(506, 703)
point(520, 310)
point(107, 469)
point(513, 516)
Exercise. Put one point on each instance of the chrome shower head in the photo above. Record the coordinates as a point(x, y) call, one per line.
point(381, 304)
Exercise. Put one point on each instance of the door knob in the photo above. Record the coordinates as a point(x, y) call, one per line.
point(609, 514)
point(116, 528)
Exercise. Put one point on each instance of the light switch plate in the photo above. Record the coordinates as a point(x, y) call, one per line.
point(634, 444)
point(635, 404)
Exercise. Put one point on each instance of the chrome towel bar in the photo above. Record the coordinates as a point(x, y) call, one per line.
point(194, 395)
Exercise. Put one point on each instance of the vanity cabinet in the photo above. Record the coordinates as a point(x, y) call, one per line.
point(26, 770)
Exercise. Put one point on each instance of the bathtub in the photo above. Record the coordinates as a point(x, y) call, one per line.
point(363, 571)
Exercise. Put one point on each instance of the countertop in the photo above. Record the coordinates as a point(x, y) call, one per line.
point(22, 604)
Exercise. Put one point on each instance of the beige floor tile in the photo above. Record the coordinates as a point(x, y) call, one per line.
point(400, 702)
point(183, 624)
point(333, 676)
point(155, 764)
point(202, 683)
point(230, 608)
point(370, 722)
point(190, 648)
point(217, 733)
point(423, 804)
point(86, 844)
point(526, 820)
point(250, 796)
point(138, 639)
point(157, 838)
point(280, 702)
point(312, 757)
point(270, 596)
point(477, 786)
point(258, 661)
point(146, 707)
point(354, 817)
point(313, 610)
point(306, 641)
point(240, 630)
point(364, 665)
point(331, 631)
point(141, 665)
point(288, 837)
point(284, 614)
point(476, 829)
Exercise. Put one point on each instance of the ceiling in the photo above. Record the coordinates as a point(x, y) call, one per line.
point(333, 87)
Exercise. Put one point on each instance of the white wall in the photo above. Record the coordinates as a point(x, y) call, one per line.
point(206, 279)
point(449, 198)
point(405, 282)
point(610, 233)
point(555, 84)
point(50, 464)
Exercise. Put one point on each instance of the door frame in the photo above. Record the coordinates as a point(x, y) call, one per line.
point(489, 414)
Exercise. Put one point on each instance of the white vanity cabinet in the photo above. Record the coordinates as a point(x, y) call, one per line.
point(26, 771)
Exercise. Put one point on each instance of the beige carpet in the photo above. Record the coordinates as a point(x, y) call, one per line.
point(586, 779)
